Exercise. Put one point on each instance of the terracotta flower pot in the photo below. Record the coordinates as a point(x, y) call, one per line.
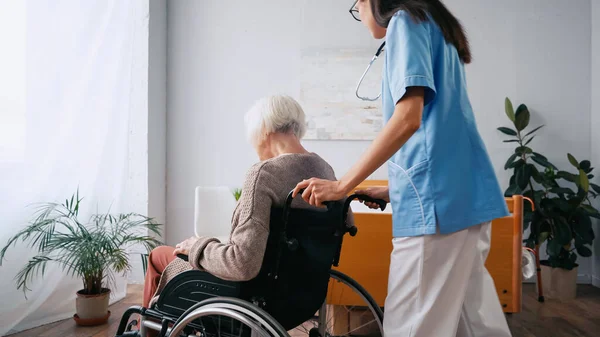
point(92, 309)
point(558, 283)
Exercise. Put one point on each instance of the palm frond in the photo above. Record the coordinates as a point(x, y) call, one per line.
point(32, 269)
point(90, 251)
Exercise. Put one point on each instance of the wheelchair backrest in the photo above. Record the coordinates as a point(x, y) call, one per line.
point(302, 247)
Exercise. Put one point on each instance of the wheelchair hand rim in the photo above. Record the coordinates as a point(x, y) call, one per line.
point(206, 311)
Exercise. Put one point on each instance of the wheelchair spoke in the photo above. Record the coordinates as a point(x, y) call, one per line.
point(361, 326)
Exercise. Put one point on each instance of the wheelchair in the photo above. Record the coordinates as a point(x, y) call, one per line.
point(296, 293)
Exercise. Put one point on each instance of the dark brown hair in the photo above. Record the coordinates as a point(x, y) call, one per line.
point(451, 28)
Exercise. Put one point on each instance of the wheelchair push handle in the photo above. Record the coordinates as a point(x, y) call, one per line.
point(362, 197)
point(365, 198)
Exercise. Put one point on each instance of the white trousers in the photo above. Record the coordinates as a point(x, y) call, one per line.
point(439, 287)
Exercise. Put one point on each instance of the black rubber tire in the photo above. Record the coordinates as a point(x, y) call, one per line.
point(366, 296)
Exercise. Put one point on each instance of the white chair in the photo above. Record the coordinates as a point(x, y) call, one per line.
point(213, 210)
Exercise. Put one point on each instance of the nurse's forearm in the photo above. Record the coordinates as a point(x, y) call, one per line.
point(405, 121)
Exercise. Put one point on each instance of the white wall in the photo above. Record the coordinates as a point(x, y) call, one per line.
point(224, 55)
point(136, 190)
point(595, 125)
point(157, 110)
point(147, 136)
point(528, 51)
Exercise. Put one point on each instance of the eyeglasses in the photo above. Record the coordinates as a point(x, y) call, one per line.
point(354, 11)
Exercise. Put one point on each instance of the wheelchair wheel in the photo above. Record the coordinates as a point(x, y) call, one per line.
point(226, 317)
point(348, 311)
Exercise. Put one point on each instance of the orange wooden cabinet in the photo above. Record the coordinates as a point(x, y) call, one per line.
point(366, 257)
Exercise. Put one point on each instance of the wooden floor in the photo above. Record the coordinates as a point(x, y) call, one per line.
point(67, 328)
point(577, 318)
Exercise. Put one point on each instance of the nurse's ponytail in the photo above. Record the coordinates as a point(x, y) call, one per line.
point(384, 10)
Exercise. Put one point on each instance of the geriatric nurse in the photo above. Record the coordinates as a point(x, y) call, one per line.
point(442, 187)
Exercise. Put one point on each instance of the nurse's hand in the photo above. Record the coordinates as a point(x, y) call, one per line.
point(380, 192)
point(317, 191)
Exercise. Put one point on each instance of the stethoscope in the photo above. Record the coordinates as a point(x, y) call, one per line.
point(379, 51)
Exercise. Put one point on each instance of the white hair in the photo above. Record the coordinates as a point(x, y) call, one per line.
point(275, 114)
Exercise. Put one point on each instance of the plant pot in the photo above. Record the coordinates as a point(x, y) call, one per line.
point(92, 309)
point(558, 283)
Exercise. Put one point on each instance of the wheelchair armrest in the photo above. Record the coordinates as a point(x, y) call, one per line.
point(183, 257)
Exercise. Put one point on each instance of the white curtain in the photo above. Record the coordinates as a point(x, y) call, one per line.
point(68, 92)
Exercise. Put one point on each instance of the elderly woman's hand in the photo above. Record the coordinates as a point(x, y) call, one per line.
point(317, 191)
point(185, 246)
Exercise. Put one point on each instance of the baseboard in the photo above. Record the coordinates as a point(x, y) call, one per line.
point(584, 279)
point(135, 282)
point(596, 281)
point(581, 279)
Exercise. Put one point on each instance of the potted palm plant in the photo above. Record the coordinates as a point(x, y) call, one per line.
point(563, 208)
point(91, 251)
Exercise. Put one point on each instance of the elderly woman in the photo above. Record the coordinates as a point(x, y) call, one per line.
point(275, 126)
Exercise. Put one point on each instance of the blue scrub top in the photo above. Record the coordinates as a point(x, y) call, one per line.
point(443, 174)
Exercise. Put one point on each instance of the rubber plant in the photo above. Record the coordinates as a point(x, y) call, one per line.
point(563, 209)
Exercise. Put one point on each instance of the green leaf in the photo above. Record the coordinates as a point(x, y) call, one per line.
point(583, 251)
point(508, 108)
point(561, 204)
point(585, 165)
point(517, 163)
point(535, 174)
point(562, 190)
point(529, 140)
point(510, 141)
point(595, 215)
point(532, 131)
point(554, 248)
point(512, 190)
point(540, 156)
point(572, 259)
point(584, 234)
point(548, 181)
point(595, 187)
point(589, 209)
point(583, 180)
point(537, 197)
point(510, 160)
point(521, 117)
point(541, 160)
point(523, 149)
point(523, 175)
point(543, 237)
point(562, 232)
point(572, 160)
point(582, 225)
point(569, 262)
point(507, 131)
point(567, 176)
